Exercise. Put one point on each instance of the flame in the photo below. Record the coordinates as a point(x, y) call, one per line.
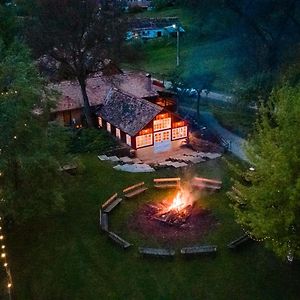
point(181, 200)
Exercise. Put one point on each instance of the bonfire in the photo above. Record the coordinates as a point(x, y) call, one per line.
point(177, 211)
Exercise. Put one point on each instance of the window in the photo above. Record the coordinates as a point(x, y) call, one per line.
point(162, 136)
point(166, 135)
point(128, 139)
point(108, 127)
point(162, 124)
point(144, 140)
point(100, 121)
point(179, 133)
point(118, 133)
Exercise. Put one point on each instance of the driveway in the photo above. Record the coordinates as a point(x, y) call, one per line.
point(236, 143)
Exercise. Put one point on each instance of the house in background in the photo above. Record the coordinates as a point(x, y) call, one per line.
point(144, 126)
point(69, 109)
point(150, 28)
point(133, 107)
point(143, 4)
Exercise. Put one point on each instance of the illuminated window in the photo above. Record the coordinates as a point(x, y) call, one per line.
point(128, 139)
point(162, 136)
point(108, 127)
point(179, 133)
point(162, 124)
point(100, 121)
point(118, 133)
point(144, 140)
point(166, 135)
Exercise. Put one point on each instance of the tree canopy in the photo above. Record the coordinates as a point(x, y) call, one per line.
point(267, 204)
point(30, 183)
point(80, 35)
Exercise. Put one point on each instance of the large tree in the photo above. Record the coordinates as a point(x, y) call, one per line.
point(267, 202)
point(78, 34)
point(30, 183)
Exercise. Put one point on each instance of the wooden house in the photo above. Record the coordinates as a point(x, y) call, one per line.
point(143, 125)
point(150, 28)
point(69, 109)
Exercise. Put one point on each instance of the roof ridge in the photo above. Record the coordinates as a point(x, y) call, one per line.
point(134, 97)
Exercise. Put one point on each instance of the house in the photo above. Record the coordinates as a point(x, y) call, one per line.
point(144, 126)
point(150, 28)
point(69, 109)
point(143, 4)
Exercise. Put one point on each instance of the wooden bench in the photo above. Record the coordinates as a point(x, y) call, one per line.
point(111, 203)
point(103, 220)
point(205, 183)
point(199, 250)
point(71, 169)
point(239, 241)
point(135, 190)
point(162, 183)
point(158, 252)
point(117, 239)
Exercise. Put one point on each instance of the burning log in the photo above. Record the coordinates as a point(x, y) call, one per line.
point(174, 217)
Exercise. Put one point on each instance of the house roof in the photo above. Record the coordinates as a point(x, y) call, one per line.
point(127, 112)
point(153, 23)
point(135, 83)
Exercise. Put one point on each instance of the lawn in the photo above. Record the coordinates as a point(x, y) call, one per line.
point(66, 257)
point(198, 53)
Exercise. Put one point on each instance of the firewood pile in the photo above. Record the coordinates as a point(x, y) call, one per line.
point(176, 217)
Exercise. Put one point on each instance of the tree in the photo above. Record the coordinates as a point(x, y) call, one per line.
point(30, 183)
point(267, 202)
point(78, 34)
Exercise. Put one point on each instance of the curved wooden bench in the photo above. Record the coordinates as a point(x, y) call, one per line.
point(135, 190)
point(205, 183)
point(158, 252)
point(111, 203)
point(165, 183)
point(199, 250)
point(103, 220)
point(118, 240)
point(239, 241)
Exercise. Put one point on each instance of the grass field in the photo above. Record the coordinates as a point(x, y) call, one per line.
point(198, 54)
point(66, 257)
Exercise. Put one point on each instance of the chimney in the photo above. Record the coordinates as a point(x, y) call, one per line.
point(149, 83)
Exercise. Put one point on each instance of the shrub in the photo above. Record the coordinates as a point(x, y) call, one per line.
point(91, 140)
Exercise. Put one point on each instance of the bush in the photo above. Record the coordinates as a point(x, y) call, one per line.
point(91, 140)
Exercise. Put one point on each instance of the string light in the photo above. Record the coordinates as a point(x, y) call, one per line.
point(5, 265)
point(9, 93)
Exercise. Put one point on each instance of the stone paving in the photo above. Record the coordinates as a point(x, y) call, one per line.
point(176, 160)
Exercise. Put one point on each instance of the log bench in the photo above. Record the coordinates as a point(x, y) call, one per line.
point(165, 183)
point(157, 252)
point(111, 203)
point(103, 220)
point(135, 190)
point(205, 183)
point(118, 240)
point(199, 250)
point(239, 241)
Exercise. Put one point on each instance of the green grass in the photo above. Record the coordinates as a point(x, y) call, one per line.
point(198, 53)
point(238, 122)
point(66, 257)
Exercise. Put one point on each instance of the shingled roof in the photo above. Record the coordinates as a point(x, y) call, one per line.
point(126, 112)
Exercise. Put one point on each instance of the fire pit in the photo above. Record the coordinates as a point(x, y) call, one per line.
point(173, 220)
point(177, 212)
